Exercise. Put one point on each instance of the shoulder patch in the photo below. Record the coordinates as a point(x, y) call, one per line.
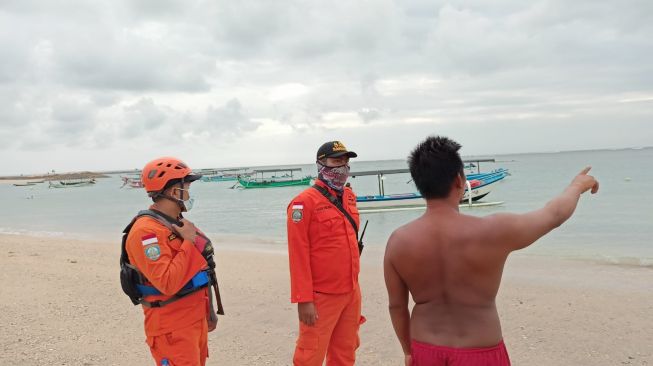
point(153, 251)
point(149, 239)
point(297, 214)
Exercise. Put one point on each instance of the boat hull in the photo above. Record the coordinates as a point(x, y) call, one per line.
point(59, 185)
point(218, 179)
point(245, 183)
point(408, 200)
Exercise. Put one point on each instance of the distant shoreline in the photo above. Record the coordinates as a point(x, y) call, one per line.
point(103, 173)
point(63, 176)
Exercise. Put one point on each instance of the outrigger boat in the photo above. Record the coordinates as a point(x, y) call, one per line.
point(71, 184)
point(261, 178)
point(223, 175)
point(132, 182)
point(478, 186)
point(26, 184)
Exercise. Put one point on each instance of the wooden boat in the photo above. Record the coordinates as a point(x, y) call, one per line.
point(270, 178)
point(479, 186)
point(136, 184)
point(72, 183)
point(26, 184)
point(132, 181)
point(223, 175)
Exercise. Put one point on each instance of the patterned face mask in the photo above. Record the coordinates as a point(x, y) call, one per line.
point(334, 177)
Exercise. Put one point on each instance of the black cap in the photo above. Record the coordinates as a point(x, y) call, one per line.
point(334, 149)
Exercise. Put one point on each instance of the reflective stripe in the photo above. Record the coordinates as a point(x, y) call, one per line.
point(201, 279)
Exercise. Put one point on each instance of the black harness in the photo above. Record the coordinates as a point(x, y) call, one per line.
point(137, 287)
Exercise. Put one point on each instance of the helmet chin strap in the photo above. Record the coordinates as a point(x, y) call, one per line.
point(179, 201)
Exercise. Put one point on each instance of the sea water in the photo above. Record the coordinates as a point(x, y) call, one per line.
point(615, 225)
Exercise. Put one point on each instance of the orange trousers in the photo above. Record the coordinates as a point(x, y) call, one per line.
point(335, 333)
point(182, 347)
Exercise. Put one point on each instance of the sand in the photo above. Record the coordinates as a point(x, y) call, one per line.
point(61, 304)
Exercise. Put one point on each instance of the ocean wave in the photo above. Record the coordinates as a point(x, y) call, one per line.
point(37, 233)
point(626, 261)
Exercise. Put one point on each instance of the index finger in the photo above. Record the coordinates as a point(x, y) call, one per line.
point(585, 171)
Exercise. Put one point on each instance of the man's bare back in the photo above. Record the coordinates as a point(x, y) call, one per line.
point(452, 264)
point(445, 260)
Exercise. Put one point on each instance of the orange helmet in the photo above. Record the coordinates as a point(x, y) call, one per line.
point(157, 173)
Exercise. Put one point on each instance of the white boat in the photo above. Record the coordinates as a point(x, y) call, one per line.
point(223, 175)
point(72, 183)
point(133, 181)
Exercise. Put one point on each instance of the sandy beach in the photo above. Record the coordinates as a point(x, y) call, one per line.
point(61, 304)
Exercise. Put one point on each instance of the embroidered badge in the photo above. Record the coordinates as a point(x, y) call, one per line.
point(172, 237)
point(297, 212)
point(153, 251)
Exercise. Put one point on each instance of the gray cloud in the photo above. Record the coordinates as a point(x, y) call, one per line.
point(99, 75)
point(143, 116)
point(369, 114)
point(229, 119)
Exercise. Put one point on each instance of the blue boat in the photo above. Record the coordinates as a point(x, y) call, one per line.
point(479, 185)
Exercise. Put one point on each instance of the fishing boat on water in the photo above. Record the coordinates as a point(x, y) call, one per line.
point(479, 185)
point(132, 181)
point(272, 178)
point(223, 175)
point(25, 184)
point(71, 183)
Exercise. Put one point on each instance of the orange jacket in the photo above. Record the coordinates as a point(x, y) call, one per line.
point(168, 269)
point(322, 245)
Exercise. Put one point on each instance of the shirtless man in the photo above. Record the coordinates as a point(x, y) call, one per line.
point(452, 263)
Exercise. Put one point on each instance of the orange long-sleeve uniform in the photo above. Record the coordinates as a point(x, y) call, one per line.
point(324, 267)
point(322, 245)
point(169, 262)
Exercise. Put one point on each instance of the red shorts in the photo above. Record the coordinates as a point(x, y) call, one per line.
point(425, 354)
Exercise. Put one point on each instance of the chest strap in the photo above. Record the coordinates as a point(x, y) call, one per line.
point(201, 280)
point(336, 202)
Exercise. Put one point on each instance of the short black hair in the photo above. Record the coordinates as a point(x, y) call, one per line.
point(434, 165)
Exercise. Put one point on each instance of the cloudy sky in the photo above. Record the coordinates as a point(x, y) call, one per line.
point(112, 84)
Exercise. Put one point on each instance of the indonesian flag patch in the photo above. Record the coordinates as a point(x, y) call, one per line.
point(149, 239)
point(297, 211)
point(151, 247)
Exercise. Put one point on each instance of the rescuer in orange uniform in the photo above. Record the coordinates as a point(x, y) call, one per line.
point(324, 263)
point(173, 261)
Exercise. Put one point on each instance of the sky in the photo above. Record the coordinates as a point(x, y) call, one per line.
point(104, 85)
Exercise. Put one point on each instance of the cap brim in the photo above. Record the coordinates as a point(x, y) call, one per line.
point(350, 154)
point(192, 177)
